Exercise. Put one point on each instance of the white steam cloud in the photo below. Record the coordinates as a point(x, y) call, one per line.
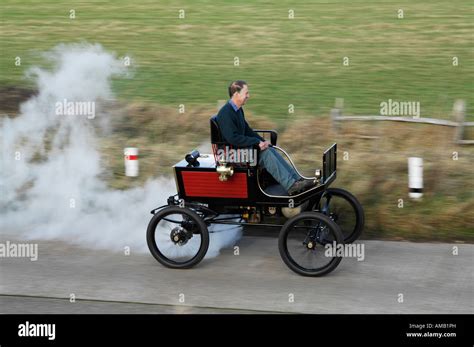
point(50, 163)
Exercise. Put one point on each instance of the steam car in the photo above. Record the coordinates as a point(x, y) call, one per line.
point(212, 189)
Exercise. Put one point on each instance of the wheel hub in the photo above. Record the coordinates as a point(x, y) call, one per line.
point(310, 240)
point(179, 236)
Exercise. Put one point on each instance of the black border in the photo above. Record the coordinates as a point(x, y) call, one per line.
point(158, 330)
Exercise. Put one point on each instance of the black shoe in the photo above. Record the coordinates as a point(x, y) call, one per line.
point(307, 179)
point(300, 186)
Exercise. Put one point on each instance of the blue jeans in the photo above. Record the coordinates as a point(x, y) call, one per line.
point(278, 167)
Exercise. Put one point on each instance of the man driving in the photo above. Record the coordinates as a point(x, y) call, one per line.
point(237, 132)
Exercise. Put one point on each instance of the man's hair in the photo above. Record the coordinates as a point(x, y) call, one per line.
point(236, 86)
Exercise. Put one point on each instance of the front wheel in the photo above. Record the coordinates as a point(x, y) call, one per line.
point(308, 244)
point(177, 237)
point(343, 208)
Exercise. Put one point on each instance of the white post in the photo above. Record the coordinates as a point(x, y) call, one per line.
point(131, 161)
point(415, 177)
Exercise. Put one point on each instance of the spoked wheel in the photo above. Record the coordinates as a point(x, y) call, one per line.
point(177, 237)
point(302, 244)
point(343, 208)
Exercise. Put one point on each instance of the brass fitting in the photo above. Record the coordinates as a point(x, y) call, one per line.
point(224, 171)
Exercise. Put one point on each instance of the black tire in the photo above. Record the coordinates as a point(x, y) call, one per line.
point(316, 228)
point(161, 224)
point(345, 210)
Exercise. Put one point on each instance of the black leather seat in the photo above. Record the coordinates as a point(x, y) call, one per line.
point(218, 142)
point(216, 136)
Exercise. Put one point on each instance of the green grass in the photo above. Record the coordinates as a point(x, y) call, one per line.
point(190, 61)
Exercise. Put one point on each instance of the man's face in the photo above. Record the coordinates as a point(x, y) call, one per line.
point(244, 95)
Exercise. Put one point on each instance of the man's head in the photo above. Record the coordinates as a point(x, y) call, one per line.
point(239, 92)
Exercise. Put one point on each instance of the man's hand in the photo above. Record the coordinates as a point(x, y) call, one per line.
point(264, 145)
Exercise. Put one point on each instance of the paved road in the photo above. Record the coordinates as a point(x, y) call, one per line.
point(430, 277)
point(32, 305)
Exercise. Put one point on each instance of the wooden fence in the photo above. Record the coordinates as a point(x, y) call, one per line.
point(459, 115)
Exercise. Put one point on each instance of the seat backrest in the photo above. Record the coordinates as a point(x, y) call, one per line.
point(216, 136)
point(218, 143)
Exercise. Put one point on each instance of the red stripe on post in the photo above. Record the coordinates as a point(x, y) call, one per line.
point(131, 157)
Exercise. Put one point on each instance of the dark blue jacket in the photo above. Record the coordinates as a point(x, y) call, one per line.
point(234, 127)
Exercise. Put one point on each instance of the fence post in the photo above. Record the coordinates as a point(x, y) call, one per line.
point(336, 112)
point(415, 177)
point(459, 112)
point(131, 161)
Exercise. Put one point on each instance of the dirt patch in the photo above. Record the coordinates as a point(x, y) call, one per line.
point(11, 97)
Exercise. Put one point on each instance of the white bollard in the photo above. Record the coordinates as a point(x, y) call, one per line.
point(415, 177)
point(131, 161)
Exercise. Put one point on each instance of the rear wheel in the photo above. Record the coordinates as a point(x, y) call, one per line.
point(177, 237)
point(306, 241)
point(343, 208)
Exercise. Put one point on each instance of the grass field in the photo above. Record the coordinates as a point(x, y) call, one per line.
point(286, 61)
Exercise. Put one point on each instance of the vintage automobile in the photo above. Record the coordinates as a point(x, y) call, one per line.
point(213, 190)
